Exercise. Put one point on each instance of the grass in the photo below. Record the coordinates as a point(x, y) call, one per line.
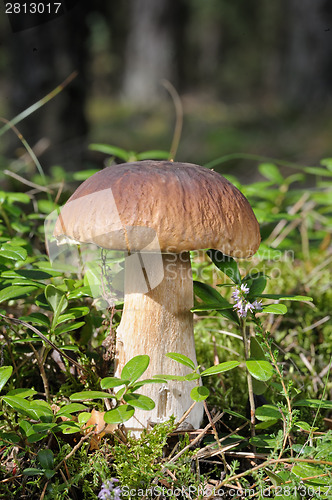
point(214, 129)
point(52, 338)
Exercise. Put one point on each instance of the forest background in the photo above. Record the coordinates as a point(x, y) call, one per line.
point(254, 77)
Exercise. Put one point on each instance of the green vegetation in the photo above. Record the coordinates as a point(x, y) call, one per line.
point(56, 374)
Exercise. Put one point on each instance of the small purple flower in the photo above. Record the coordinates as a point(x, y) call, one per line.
point(244, 289)
point(242, 305)
point(258, 305)
point(108, 492)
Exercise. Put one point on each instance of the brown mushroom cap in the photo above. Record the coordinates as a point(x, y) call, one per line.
point(187, 206)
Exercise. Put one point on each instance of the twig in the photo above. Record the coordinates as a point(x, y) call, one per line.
point(184, 416)
point(249, 381)
point(45, 339)
point(7, 339)
point(26, 182)
point(197, 438)
point(266, 464)
point(203, 450)
point(74, 450)
point(39, 103)
point(40, 363)
point(179, 117)
point(44, 490)
point(287, 425)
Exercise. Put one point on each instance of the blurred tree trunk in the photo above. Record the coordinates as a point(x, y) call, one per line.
point(150, 49)
point(308, 59)
point(41, 58)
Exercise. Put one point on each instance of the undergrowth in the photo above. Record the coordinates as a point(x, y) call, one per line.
point(53, 346)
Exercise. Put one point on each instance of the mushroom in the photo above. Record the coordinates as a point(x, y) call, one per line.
point(157, 212)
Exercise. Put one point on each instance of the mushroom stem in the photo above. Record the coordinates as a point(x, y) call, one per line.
point(156, 323)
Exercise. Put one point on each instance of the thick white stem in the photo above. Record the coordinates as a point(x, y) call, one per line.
point(156, 323)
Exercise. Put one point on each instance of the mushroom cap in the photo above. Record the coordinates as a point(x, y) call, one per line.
point(187, 207)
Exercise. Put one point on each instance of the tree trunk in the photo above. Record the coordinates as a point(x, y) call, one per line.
point(150, 50)
point(308, 58)
point(41, 58)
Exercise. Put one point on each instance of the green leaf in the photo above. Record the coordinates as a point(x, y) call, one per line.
point(111, 151)
point(36, 319)
point(49, 473)
point(22, 393)
point(12, 437)
point(139, 401)
point(275, 309)
point(119, 415)
point(15, 292)
point(84, 174)
point(199, 393)
point(327, 162)
point(213, 301)
point(307, 470)
point(120, 393)
point(263, 441)
point(109, 382)
point(192, 376)
point(23, 282)
point(70, 408)
point(31, 471)
point(68, 427)
point(30, 274)
point(180, 378)
point(271, 172)
point(13, 252)
point(303, 425)
point(5, 373)
point(210, 296)
point(314, 403)
point(226, 264)
point(37, 410)
point(302, 298)
point(135, 368)
point(222, 367)
point(46, 206)
point(275, 479)
point(85, 395)
point(267, 413)
point(237, 415)
point(84, 291)
point(73, 313)
point(56, 298)
point(256, 287)
point(266, 424)
point(41, 410)
point(181, 358)
point(229, 314)
point(140, 383)
point(34, 437)
point(84, 417)
point(260, 369)
point(68, 328)
point(18, 197)
point(26, 427)
point(318, 171)
point(46, 459)
point(258, 386)
point(256, 350)
point(153, 155)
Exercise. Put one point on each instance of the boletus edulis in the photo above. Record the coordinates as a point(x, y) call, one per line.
point(159, 211)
